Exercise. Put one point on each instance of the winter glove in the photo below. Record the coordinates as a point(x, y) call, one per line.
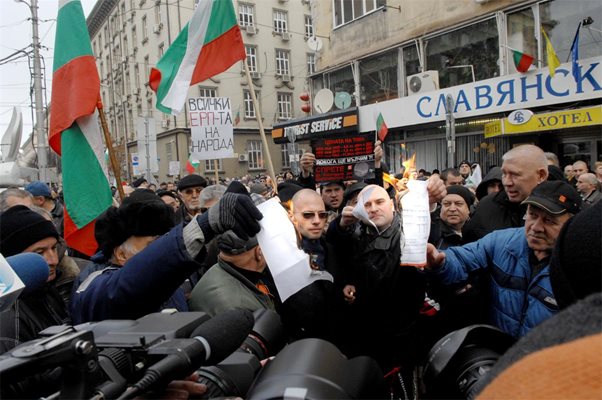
point(236, 212)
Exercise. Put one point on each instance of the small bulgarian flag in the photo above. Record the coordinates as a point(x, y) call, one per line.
point(208, 45)
point(553, 61)
point(191, 165)
point(522, 61)
point(381, 128)
point(74, 130)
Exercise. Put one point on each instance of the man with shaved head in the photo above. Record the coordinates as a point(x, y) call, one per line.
point(523, 168)
point(385, 297)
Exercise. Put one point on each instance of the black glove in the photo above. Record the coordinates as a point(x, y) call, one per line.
point(236, 212)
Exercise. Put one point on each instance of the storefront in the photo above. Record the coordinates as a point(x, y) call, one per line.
point(417, 123)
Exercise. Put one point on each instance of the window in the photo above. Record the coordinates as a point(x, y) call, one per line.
point(280, 21)
point(378, 78)
point(245, 14)
point(149, 107)
point(251, 58)
point(126, 46)
point(99, 41)
point(161, 50)
point(102, 71)
point(207, 91)
point(248, 102)
point(309, 26)
point(282, 62)
point(158, 17)
point(347, 10)
point(144, 30)
point(255, 153)
point(137, 75)
point(134, 37)
point(285, 106)
point(123, 18)
point(340, 80)
point(458, 53)
point(169, 150)
point(311, 63)
point(210, 165)
point(287, 151)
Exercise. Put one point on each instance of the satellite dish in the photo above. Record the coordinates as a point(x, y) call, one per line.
point(314, 43)
point(415, 84)
point(323, 100)
point(342, 100)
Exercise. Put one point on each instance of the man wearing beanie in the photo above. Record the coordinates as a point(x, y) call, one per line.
point(143, 260)
point(517, 259)
point(23, 231)
point(190, 188)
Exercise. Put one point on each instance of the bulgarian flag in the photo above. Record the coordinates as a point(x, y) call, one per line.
point(381, 128)
point(208, 45)
point(74, 132)
point(191, 165)
point(522, 61)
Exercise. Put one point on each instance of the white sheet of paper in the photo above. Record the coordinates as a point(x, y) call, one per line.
point(359, 211)
point(288, 264)
point(416, 224)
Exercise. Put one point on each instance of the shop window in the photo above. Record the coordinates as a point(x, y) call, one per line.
point(337, 81)
point(460, 55)
point(378, 78)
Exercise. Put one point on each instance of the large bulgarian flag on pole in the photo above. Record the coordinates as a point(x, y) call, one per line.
point(74, 130)
point(208, 45)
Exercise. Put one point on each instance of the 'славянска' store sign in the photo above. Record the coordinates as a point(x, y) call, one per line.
point(506, 93)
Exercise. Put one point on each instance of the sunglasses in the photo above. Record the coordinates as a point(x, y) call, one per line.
point(311, 214)
point(190, 191)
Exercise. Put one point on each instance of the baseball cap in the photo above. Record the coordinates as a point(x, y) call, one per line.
point(230, 243)
point(555, 197)
point(38, 188)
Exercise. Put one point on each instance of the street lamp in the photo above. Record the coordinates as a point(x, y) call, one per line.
point(39, 126)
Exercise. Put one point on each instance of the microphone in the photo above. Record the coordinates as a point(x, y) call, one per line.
point(210, 343)
point(32, 270)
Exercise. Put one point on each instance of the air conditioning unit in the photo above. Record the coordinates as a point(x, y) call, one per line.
point(255, 75)
point(423, 82)
point(286, 36)
point(157, 28)
point(137, 91)
point(286, 78)
point(251, 29)
point(165, 123)
point(243, 158)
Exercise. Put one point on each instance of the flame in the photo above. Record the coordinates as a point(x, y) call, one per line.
point(409, 165)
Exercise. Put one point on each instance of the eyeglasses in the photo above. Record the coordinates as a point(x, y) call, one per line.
point(312, 214)
point(190, 191)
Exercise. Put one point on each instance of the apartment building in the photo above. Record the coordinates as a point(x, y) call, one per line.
point(130, 36)
point(432, 65)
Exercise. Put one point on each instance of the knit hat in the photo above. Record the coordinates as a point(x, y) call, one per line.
point(464, 162)
point(462, 192)
point(138, 182)
point(237, 187)
point(287, 189)
point(230, 243)
point(38, 188)
point(192, 180)
point(555, 197)
point(141, 214)
point(575, 266)
point(21, 227)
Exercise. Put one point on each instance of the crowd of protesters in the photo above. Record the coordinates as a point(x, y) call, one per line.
point(191, 245)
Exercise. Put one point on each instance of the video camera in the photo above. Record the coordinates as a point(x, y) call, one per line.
point(120, 359)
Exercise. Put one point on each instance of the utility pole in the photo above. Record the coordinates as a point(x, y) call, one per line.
point(450, 130)
point(40, 125)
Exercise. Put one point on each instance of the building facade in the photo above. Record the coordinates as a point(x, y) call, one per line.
point(404, 59)
point(130, 36)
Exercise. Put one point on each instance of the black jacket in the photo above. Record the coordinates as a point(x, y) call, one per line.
point(494, 212)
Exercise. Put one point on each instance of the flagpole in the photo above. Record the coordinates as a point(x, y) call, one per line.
point(109, 144)
point(259, 121)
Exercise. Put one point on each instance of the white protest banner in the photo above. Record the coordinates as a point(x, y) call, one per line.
point(211, 128)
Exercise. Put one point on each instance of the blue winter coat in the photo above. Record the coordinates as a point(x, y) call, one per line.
point(142, 286)
point(518, 303)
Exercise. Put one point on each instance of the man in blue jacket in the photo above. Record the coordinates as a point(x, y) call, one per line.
point(517, 260)
point(142, 268)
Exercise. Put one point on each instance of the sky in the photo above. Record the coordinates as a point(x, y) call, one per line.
point(15, 77)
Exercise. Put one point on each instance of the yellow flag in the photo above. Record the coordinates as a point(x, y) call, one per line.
point(553, 61)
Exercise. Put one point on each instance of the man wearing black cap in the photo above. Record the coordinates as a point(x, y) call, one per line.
point(517, 260)
point(238, 280)
point(140, 269)
point(23, 230)
point(190, 188)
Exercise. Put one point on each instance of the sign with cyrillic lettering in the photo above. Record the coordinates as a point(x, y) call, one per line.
point(211, 129)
